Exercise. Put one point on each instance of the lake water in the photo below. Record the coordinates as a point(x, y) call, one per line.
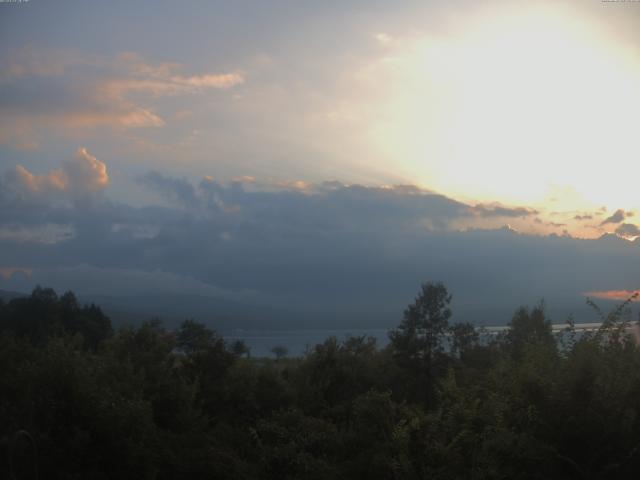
point(298, 341)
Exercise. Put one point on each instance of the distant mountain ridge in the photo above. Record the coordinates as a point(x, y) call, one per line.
point(172, 309)
point(7, 295)
point(217, 313)
point(226, 315)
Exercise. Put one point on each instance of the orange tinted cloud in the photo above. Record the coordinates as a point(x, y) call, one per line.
point(226, 80)
point(160, 79)
point(54, 180)
point(87, 171)
point(84, 173)
point(108, 96)
point(620, 295)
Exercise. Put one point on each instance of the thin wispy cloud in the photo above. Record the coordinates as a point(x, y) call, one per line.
point(617, 295)
point(117, 93)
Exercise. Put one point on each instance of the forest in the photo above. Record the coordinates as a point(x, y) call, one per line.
point(80, 399)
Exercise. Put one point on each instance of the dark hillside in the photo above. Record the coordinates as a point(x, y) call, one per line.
point(441, 401)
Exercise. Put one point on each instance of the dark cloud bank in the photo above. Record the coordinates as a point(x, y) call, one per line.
point(321, 256)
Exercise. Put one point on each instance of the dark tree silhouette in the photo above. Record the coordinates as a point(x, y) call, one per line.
point(279, 351)
point(463, 337)
point(417, 343)
point(80, 401)
point(240, 348)
point(529, 327)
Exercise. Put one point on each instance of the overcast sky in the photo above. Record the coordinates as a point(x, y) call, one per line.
point(321, 156)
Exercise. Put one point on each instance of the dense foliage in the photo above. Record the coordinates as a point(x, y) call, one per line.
point(441, 401)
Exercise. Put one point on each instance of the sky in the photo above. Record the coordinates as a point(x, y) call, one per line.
point(321, 157)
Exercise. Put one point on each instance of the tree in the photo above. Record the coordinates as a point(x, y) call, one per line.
point(279, 351)
point(44, 315)
point(417, 343)
point(529, 328)
point(193, 336)
point(463, 337)
point(240, 348)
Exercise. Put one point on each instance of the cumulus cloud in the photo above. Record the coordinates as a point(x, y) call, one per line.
point(83, 173)
point(628, 230)
point(54, 180)
point(52, 207)
point(327, 251)
point(174, 189)
point(617, 217)
point(328, 203)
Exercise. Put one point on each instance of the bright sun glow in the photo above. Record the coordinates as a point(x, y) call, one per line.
point(522, 106)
